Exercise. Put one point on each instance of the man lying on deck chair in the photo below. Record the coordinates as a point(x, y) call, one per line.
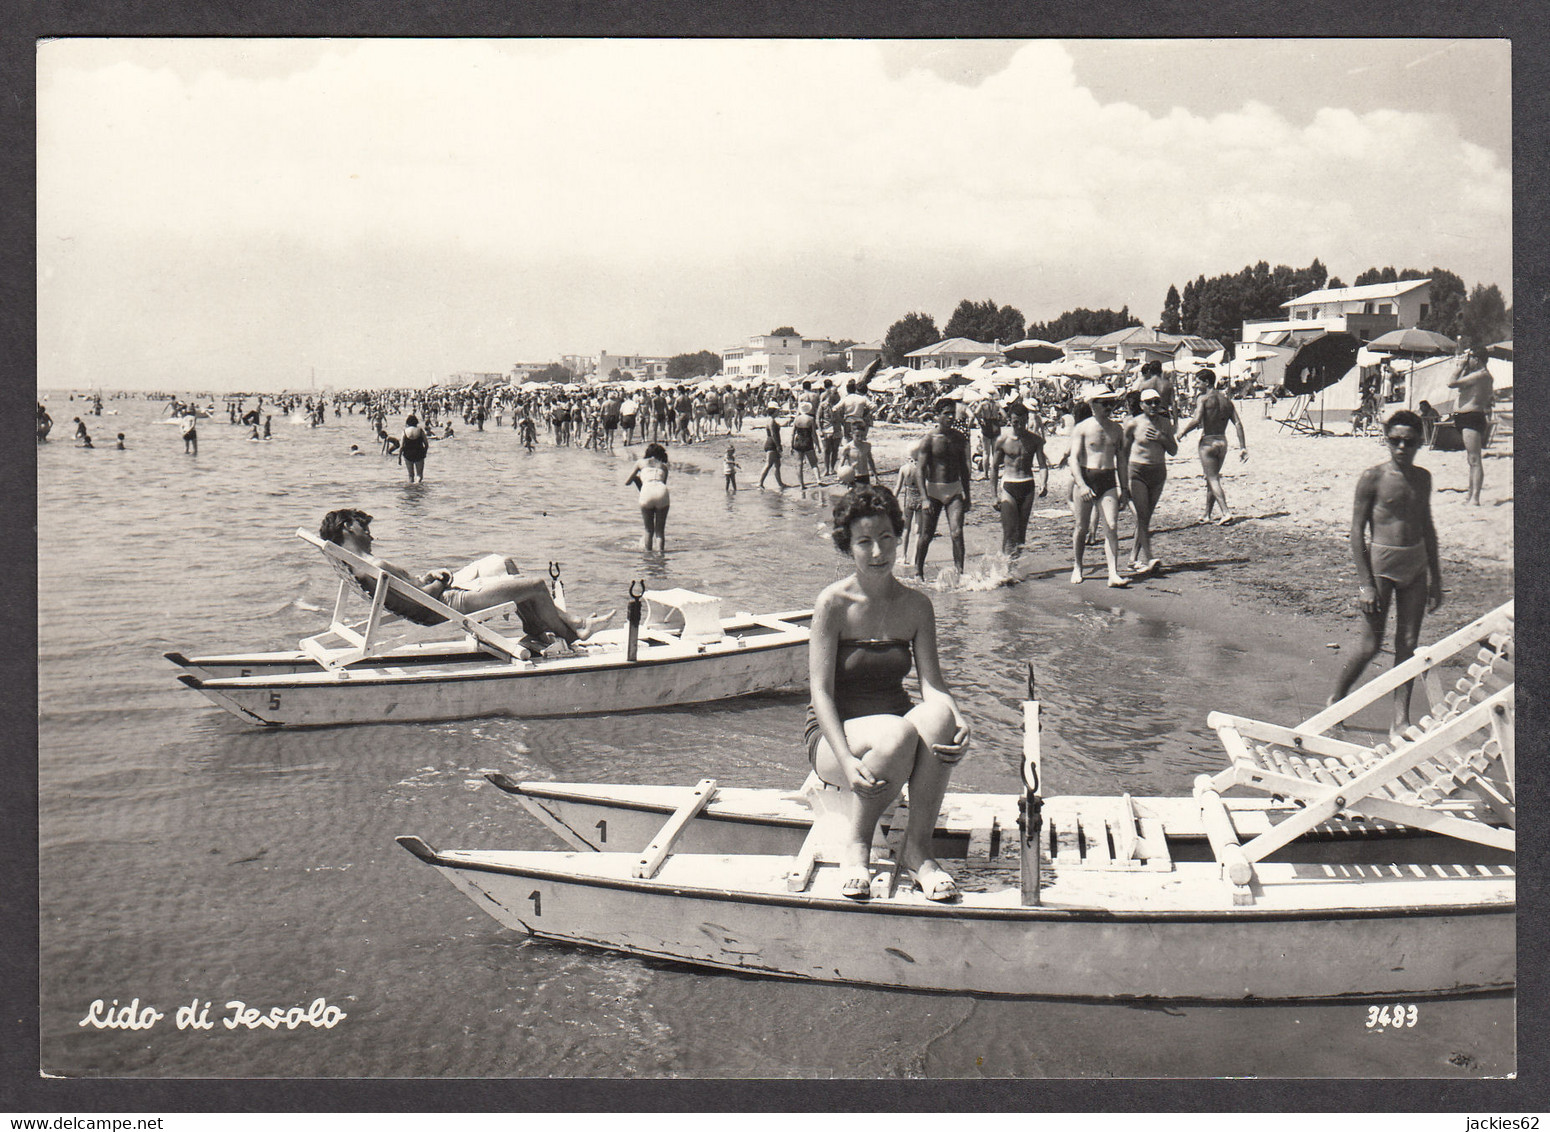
point(490, 581)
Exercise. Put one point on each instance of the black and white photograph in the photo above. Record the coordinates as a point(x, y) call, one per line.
point(480, 484)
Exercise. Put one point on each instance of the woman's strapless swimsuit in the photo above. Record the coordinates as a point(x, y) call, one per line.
point(868, 680)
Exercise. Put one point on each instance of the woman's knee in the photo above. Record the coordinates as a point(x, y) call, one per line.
point(932, 722)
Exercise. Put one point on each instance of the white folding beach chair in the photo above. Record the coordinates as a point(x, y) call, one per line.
point(363, 639)
point(1452, 773)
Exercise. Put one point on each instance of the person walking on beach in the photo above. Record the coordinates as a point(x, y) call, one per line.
point(1474, 385)
point(943, 456)
point(804, 439)
point(856, 463)
point(413, 447)
point(1214, 410)
point(772, 450)
point(650, 476)
point(729, 468)
point(628, 408)
point(1149, 441)
point(1012, 480)
point(1099, 481)
point(1394, 546)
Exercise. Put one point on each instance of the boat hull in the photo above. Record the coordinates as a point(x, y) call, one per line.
point(1314, 932)
point(430, 684)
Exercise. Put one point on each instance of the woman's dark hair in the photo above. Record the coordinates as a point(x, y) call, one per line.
point(335, 522)
point(862, 503)
point(411, 420)
point(655, 451)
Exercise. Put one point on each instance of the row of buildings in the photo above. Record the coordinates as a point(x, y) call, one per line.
point(1365, 312)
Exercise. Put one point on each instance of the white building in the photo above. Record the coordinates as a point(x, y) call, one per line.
point(774, 356)
point(1364, 312)
point(631, 367)
point(953, 353)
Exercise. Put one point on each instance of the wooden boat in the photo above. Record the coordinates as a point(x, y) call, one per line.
point(1199, 897)
point(677, 649)
point(441, 680)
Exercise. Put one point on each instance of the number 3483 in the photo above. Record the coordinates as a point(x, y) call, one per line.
point(1392, 1017)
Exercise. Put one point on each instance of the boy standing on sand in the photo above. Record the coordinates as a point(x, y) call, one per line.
point(1399, 566)
point(1214, 411)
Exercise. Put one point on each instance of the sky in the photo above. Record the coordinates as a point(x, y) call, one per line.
point(259, 214)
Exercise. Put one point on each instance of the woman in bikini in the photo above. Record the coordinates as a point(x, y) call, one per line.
point(865, 737)
point(650, 475)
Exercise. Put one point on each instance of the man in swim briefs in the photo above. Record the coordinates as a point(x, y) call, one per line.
point(1213, 411)
point(1100, 479)
point(943, 456)
point(1399, 565)
point(495, 584)
point(1011, 477)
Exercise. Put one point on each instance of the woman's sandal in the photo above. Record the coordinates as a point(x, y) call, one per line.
point(941, 889)
point(857, 885)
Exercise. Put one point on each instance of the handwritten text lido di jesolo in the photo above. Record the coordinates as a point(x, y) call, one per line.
point(318, 1015)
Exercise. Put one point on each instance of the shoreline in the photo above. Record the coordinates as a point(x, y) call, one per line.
point(1283, 565)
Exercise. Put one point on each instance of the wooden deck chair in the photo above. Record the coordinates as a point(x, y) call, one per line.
point(1296, 416)
point(1414, 784)
point(1452, 773)
point(363, 639)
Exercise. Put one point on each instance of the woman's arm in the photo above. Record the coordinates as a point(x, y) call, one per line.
point(928, 667)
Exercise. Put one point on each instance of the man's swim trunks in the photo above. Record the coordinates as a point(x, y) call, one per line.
point(943, 491)
point(1214, 445)
point(1401, 565)
point(1101, 480)
point(1018, 491)
point(1472, 420)
point(1151, 475)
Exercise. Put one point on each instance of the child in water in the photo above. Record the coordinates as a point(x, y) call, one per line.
point(121, 442)
point(730, 466)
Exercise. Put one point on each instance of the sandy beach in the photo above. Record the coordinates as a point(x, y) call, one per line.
point(1286, 556)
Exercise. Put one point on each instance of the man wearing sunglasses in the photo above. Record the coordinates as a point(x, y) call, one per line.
point(1394, 546)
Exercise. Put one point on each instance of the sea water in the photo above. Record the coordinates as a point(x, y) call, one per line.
point(191, 861)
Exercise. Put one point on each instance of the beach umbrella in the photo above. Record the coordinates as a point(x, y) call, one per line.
point(1077, 368)
point(1032, 350)
point(1502, 350)
point(1259, 354)
point(1320, 362)
point(1412, 340)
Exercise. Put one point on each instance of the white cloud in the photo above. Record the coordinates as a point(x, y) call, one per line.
point(407, 206)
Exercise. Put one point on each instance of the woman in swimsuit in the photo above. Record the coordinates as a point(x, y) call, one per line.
point(772, 450)
point(413, 447)
point(1149, 440)
point(864, 736)
point(650, 475)
point(1474, 385)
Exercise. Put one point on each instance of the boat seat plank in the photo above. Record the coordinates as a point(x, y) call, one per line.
point(655, 853)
